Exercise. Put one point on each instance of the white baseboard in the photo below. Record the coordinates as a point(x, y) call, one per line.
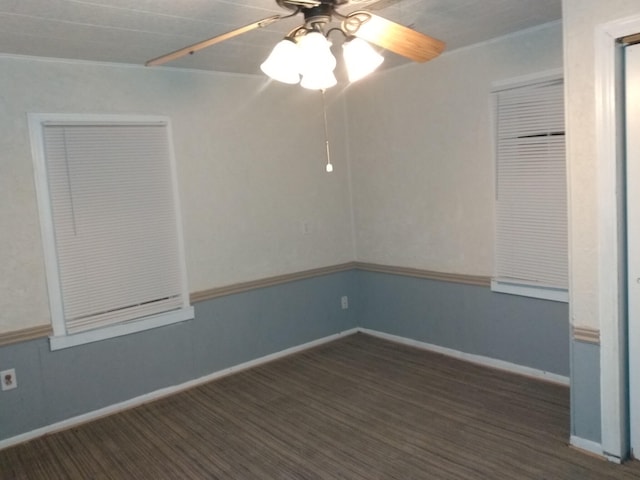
point(163, 392)
point(477, 359)
point(588, 446)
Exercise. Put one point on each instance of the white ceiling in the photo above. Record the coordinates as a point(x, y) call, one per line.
point(134, 31)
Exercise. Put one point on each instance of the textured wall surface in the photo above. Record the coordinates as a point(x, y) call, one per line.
point(585, 391)
point(231, 330)
point(580, 18)
point(423, 169)
point(54, 386)
point(470, 319)
point(256, 201)
point(595, 371)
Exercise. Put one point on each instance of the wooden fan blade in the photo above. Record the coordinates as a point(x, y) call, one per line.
point(212, 41)
point(392, 36)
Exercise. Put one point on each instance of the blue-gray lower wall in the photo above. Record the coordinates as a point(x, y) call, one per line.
point(54, 386)
point(227, 331)
point(585, 391)
point(468, 318)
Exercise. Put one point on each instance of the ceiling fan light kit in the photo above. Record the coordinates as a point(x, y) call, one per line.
point(360, 58)
point(318, 63)
point(304, 56)
point(283, 64)
point(315, 62)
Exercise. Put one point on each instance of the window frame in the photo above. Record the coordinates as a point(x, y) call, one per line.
point(507, 285)
point(61, 338)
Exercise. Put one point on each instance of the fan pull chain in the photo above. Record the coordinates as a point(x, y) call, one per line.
point(329, 167)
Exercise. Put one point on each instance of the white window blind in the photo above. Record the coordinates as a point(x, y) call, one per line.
point(531, 192)
point(114, 224)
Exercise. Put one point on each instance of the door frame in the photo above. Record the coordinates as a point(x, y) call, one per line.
point(611, 221)
point(632, 165)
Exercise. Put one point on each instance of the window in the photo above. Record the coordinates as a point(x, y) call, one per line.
point(531, 251)
point(107, 194)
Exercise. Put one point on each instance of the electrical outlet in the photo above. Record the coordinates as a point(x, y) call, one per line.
point(344, 302)
point(8, 379)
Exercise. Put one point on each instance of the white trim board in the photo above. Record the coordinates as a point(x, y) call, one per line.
point(472, 358)
point(164, 392)
point(520, 81)
point(587, 445)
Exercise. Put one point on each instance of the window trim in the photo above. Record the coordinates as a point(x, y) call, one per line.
point(61, 338)
point(527, 290)
point(505, 285)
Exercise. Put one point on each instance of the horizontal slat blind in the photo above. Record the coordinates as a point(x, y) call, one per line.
point(114, 222)
point(531, 210)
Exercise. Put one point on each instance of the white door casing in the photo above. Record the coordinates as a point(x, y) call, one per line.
point(632, 127)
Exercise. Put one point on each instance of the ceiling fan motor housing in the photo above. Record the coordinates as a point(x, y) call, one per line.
point(315, 11)
point(295, 4)
point(318, 15)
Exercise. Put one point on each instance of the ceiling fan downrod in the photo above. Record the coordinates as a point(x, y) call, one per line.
point(319, 16)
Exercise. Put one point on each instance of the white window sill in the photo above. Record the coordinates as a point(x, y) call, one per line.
point(58, 342)
point(525, 290)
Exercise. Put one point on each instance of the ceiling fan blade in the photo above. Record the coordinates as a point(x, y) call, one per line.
point(300, 3)
point(392, 36)
point(212, 41)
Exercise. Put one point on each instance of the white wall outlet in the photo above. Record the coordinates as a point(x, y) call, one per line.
point(8, 379)
point(344, 302)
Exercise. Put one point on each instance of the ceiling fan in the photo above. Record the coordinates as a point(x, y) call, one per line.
point(304, 55)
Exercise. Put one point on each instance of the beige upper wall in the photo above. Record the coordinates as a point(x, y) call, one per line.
point(250, 159)
point(422, 155)
point(580, 18)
